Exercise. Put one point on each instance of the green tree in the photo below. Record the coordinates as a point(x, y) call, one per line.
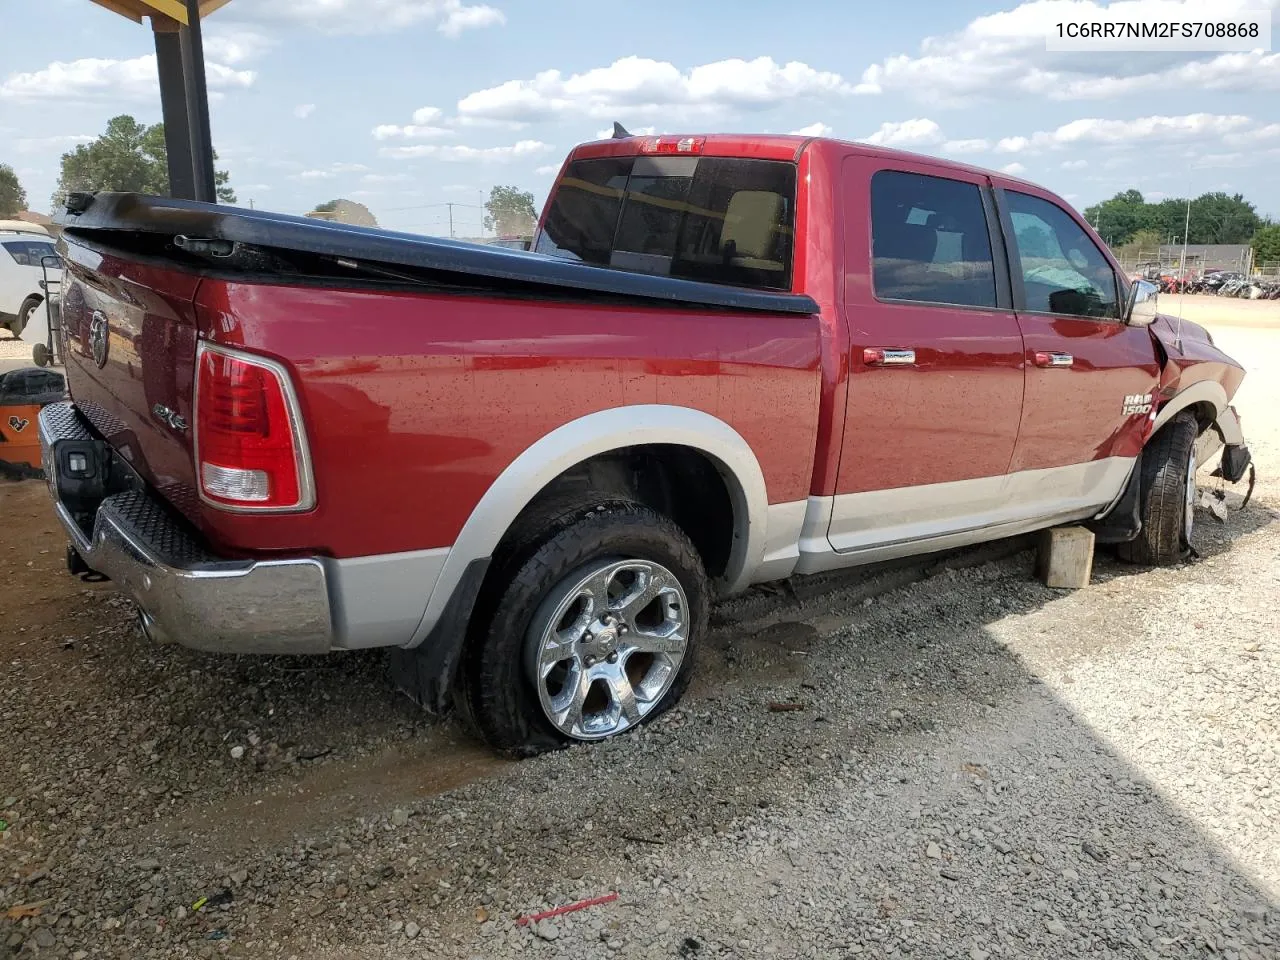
point(510, 211)
point(1146, 239)
point(13, 199)
point(1215, 218)
point(1266, 244)
point(130, 157)
point(1119, 218)
point(1219, 218)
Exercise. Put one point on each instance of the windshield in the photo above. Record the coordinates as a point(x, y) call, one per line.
point(715, 219)
point(28, 253)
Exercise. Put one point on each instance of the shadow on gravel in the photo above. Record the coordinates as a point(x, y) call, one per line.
point(914, 721)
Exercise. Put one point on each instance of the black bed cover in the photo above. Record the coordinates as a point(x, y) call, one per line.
point(115, 213)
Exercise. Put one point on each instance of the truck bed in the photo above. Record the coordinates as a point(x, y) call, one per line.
point(193, 234)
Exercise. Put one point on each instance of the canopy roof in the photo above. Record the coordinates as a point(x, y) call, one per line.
point(173, 9)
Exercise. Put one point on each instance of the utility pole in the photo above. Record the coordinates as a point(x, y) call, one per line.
point(450, 206)
point(1186, 229)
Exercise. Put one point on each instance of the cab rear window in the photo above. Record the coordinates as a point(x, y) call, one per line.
point(714, 219)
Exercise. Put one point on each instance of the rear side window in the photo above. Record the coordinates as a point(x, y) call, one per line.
point(929, 241)
point(714, 219)
point(29, 253)
point(1063, 271)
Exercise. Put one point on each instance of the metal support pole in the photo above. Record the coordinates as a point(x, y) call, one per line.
point(198, 105)
point(173, 107)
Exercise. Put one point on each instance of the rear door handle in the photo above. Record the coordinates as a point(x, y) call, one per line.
point(882, 357)
point(1046, 359)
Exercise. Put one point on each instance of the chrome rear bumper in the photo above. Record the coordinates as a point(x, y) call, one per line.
point(185, 593)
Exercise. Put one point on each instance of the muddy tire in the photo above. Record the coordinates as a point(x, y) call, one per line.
point(593, 634)
point(1168, 496)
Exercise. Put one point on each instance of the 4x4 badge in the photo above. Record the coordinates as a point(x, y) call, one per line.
point(99, 337)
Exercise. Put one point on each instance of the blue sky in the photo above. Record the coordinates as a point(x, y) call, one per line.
point(405, 105)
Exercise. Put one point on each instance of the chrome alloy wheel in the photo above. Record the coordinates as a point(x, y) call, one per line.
point(606, 645)
point(1190, 519)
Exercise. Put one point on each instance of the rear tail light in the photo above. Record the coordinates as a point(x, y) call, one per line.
point(250, 447)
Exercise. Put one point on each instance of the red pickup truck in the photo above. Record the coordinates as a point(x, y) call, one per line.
point(726, 360)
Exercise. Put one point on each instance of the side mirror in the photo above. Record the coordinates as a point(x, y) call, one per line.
point(1140, 310)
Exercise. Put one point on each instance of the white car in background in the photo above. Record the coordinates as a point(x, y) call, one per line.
point(23, 248)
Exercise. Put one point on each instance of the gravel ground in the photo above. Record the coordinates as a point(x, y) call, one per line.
point(981, 767)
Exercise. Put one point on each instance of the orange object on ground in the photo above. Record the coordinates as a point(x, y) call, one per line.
point(22, 394)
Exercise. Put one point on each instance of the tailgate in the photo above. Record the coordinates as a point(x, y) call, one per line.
point(130, 341)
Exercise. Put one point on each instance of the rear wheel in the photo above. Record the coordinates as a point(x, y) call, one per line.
point(594, 635)
point(1168, 495)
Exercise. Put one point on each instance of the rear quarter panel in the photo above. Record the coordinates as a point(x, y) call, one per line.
point(415, 403)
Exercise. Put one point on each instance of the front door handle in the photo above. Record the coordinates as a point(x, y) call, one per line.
point(882, 357)
point(1046, 359)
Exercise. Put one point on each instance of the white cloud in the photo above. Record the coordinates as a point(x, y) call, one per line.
point(1013, 169)
point(1265, 159)
point(818, 129)
point(1258, 135)
point(460, 18)
point(59, 143)
point(549, 170)
point(329, 172)
point(637, 86)
point(966, 146)
point(362, 17)
point(463, 154)
point(426, 124)
point(1191, 127)
point(254, 188)
point(1074, 164)
point(116, 80)
point(917, 132)
point(1003, 54)
point(232, 44)
point(304, 110)
point(374, 178)
point(1013, 144)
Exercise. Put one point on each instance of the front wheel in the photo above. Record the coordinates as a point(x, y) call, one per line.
point(594, 635)
point(1168, 495)
point(28, 307)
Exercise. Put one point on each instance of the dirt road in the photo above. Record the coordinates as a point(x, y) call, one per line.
point(982, 768)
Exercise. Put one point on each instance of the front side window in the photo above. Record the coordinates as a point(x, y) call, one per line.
point(29, 253)
point(714, 219)
point(1063, 271)
point(929, 240)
